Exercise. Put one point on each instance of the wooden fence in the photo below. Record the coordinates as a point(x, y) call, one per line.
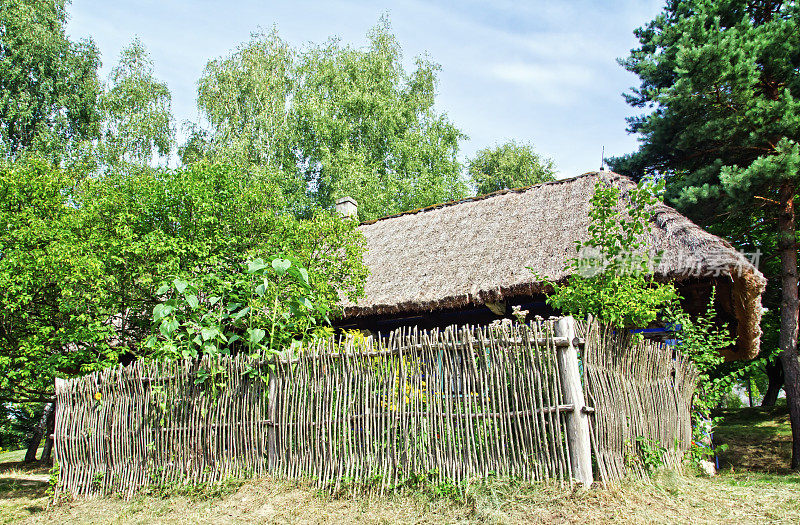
point(642, 392)
point(375, 413)
point(120, 429)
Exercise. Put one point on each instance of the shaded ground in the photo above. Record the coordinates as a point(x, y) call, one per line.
point(757, 441)
point(22, 487)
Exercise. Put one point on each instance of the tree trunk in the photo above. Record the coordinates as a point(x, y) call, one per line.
point(789, 314)
point(775, 382)
point(38, 432)
point(48, 442)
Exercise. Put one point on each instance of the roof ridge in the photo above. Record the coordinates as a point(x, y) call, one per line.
point(497, 193)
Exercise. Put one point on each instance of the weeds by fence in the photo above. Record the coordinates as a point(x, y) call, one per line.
point(443, 405)
point(449, 404)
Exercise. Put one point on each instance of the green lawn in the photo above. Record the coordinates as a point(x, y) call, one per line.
point(758, 439)
point(15, 456)
point(13, 461)
point(22, 487)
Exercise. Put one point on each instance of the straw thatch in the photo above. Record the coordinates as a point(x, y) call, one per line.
point(478, 250)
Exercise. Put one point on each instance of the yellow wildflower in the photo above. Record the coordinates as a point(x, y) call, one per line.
point(98, 396)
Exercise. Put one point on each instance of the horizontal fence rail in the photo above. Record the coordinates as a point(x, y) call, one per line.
point(375, 413)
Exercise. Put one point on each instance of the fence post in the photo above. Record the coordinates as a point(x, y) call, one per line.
point(272, 449)
point(580, 448)
point(61, 384)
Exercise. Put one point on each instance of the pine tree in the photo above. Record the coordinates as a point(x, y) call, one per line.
point(723, 82)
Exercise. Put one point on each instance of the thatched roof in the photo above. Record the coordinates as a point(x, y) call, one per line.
point(478, 250)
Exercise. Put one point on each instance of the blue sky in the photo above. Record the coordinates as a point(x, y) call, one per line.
point(536, 71)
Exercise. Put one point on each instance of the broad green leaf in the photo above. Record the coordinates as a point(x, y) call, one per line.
point(192, 300)
point(300, 275)
point(168, 326)
point(241, 313)
point(158, 312)
point(180, 285)
point(164, 288)
point(256, 265)
point(281, 265)
point(255, 335)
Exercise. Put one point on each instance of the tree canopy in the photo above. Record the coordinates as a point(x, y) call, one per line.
point(48, 83)
point(330, 121)
point(137, 117)
point(83, 258)
point(723, 84)
point(509, 165)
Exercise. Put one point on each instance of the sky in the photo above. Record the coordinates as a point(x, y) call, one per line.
point(543, 72)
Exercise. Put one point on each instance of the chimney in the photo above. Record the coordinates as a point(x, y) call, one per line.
point(347, 207)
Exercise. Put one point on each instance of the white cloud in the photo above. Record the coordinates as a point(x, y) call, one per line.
point(555, 83)
point(571, 46)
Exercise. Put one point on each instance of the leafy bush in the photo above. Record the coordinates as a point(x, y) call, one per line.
point(82, 261)
point(510, 165)
point(611, 278)
point(647, 454)
point(270, 307)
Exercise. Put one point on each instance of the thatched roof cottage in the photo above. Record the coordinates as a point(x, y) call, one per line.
point(467, 261)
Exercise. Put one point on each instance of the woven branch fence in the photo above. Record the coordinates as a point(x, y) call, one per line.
point(376, 413)
point(152, 423)
point(642, 392)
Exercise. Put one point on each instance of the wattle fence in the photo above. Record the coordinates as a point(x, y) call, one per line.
point(455, 404)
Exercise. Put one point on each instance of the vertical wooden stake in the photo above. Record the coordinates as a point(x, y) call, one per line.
point(580, 448)
point(58, 448)
point(272, 428)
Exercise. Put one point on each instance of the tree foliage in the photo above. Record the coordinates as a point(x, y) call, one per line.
point(330, 121)
point(83, 260)
point(48, 84)
point(369, 130)
point(723, 84)
point(137, 117)
point(51, 284)
point(509, 165)
point(611, 278)
point(244, 97)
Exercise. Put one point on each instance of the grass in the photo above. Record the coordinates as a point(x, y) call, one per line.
point(14, 456)
point(13, 464)
point(754, 490)
point(758, 439)
point(670, 498)
point(22, 487)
